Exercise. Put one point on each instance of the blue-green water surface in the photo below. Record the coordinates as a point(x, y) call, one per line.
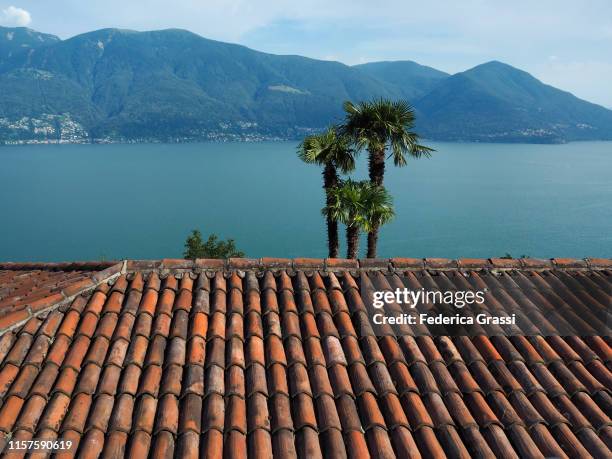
point(78, 202)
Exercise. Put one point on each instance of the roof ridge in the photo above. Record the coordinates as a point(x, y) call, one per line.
point(389, 264)
point(57, 266)
point(325, 264)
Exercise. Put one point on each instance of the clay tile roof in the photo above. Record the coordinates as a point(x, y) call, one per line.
point(277, 357)
point(26, 288)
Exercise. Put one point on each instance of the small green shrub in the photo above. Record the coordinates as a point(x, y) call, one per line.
point(195, 247)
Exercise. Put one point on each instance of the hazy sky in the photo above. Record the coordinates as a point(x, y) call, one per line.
point(566, 43)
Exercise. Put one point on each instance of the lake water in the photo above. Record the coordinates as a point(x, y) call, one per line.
point(78, 202)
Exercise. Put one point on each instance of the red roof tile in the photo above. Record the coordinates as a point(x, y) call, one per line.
point(29, 288)
point(276, 357)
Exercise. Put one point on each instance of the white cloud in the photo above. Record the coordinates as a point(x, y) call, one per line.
point(15, 17)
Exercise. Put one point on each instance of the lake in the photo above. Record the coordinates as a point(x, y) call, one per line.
point(86, 202)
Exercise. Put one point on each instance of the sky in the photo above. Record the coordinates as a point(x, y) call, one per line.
point(567, 44)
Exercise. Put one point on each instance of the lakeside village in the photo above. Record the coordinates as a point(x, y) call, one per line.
point(49, 129)
point(411, 298)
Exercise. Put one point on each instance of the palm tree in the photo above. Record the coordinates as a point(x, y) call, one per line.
point(332, 151)
point(377, 126)
point(360, 206)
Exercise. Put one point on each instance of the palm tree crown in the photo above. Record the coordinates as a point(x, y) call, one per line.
point(329, 147)
point(382, 124)
point(379, 208)
point(348, 204)
point(361, 206)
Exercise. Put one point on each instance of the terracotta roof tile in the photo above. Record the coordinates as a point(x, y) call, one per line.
point(274, 357)
point(29, 288)
point(139, 445)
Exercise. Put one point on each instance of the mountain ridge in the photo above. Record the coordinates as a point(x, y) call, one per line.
point(174, 85)
point(19, 39)
point(494, 90)
point(423, 78)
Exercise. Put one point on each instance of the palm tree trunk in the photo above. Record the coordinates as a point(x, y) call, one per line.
point(372, 242)
point(330, 180)
point(377, 166)
point(332, 237)
point(377, 177)
point(352, 242)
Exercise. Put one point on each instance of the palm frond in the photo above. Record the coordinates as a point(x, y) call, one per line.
point(382, 124)
point(360, 204)
point(329, 147)
point(379, 207)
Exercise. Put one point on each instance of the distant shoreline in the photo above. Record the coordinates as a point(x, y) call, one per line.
point(145, 141)
point(16, 143)
point(261, 140)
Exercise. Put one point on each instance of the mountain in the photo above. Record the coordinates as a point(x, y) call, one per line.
point(173, 85)
point(412, 80)
point(17, 40)
point(497, 102)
